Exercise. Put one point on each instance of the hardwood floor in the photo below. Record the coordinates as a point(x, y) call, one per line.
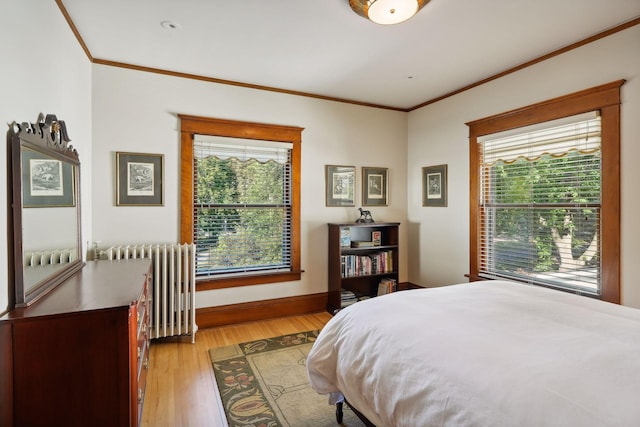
point(180, 385)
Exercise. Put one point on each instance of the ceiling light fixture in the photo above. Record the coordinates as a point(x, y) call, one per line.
point(387, 12)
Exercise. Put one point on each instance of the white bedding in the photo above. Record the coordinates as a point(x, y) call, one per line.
point(490, 353)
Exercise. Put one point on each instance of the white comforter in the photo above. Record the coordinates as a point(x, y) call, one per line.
point(489, 353)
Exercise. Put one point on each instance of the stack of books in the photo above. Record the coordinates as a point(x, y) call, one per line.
point(362, 244)
point(376, 240)
point(347, 298)
point(386, 286)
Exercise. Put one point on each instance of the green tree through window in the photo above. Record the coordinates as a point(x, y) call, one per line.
point(542, 204)
point(242, 211)
point(562, 238)
point(544, 193)
point(240, 200)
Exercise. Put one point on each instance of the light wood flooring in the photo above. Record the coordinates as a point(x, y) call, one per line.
point(181, 391)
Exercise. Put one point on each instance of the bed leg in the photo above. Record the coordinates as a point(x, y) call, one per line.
point(339, 412)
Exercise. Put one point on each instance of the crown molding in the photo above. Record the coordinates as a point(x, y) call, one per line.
point(527, 64)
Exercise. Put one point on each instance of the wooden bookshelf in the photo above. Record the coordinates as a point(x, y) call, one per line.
point(357, 263)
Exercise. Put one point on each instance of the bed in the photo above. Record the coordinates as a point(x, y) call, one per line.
point(491, 353)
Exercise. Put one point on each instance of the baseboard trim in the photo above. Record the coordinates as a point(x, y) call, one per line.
point(224, 315)
point(211, 317)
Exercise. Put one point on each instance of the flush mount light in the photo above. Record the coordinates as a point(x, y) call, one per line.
point(169, 25)
point(387, 12)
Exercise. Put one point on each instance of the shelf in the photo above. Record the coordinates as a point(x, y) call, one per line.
point(367, 249)
point(364, 258)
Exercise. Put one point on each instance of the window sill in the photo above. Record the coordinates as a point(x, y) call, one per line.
point(247, 280)
point(481, 277)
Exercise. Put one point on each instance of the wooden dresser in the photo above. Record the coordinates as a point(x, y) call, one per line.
point(79, 356)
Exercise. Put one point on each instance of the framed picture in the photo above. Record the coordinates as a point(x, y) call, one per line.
point(434, 186)
point(340, 185)
point(139, 179)
point(48, 182)
point(374, 186)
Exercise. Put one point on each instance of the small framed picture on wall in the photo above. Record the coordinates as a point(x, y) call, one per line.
point(434, 186)
point(375, 186)
point(139, 179)
point(340, 185)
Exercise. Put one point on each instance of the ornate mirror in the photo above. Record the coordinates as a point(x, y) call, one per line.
point(44, 196)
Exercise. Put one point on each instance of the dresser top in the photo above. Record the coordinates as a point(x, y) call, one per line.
point(100, 285)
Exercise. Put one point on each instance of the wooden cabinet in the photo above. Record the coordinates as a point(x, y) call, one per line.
point(79, 356)
point(360, 257)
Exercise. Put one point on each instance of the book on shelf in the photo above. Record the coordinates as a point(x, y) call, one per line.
point(386, 286)
point(362, 244)
point(364, 265)
point(345, 237)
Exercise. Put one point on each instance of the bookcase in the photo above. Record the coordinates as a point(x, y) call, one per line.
point(361, 256)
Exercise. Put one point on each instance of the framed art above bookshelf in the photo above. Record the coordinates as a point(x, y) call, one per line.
point(375, 186)
point(340, 185)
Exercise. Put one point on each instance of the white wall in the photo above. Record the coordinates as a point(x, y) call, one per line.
point(44, 69)
point(135, 111)
point(439, 237)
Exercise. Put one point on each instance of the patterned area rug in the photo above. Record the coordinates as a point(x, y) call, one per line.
point(264, 383)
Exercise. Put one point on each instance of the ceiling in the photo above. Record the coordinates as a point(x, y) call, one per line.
point(322, 48)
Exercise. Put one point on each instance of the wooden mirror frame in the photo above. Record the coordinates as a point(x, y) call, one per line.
point(48, 137)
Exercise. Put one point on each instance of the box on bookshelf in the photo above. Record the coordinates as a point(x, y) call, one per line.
point(345, 237)
point(376, 238)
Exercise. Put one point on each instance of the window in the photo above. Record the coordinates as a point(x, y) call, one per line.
point(240, 201)
point(540, 203)
point(545, 194)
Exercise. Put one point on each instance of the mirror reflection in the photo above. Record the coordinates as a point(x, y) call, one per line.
point(49, 230)
point(46, 208)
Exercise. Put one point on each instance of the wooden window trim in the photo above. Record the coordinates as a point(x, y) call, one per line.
point(192, 125)
point(606, 100)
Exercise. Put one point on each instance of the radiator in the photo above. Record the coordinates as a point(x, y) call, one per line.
point(49, 256)
point(173, 305)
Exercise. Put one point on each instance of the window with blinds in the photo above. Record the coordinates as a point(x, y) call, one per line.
point(242, 205)
point(540, 204)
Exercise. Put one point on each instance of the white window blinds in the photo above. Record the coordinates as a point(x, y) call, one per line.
point(242, 206)
point(540, 205)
